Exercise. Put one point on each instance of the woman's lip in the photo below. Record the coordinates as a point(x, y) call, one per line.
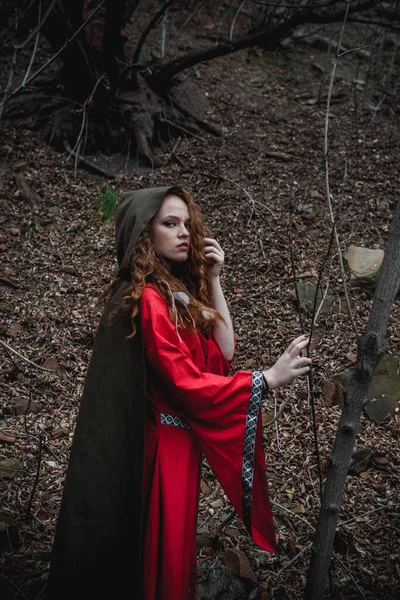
point(185, 246)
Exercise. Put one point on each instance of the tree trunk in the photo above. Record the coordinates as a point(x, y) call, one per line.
point(371, 347)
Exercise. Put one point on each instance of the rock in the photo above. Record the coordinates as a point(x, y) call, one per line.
point(53, 210)
point(14, 231)
point(219, 584)
point(304, 208)
point(384, 392)
point(360, 461)
point(9, 467)
point(332, 393)
point(364, 264)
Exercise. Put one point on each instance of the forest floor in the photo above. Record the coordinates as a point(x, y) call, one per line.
point(261, 187)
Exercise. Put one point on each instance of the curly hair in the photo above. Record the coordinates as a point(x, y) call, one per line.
point(191, 277)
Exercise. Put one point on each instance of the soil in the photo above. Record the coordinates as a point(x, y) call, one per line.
point(261, 186)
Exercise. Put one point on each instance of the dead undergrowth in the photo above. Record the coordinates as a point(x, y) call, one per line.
point(257, 185)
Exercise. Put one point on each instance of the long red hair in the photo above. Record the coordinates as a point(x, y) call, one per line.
point(190, 277)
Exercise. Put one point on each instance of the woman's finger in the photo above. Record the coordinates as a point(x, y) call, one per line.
point(214, 256)
point(297, 346)
point(212, 249)
point(213, 243)
point(302, 371)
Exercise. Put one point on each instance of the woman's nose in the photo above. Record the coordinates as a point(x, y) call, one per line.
point(183, 231)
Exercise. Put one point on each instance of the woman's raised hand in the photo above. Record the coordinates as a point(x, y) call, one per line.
point(214, 256)
point(290, 365)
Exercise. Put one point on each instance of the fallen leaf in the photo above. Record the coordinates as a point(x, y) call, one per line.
point(239, 564)
point(51, 364)
point(267, 417)
point(351, 357)
point(14, 329)
point(279, 156)
point(5, 437)
point(9, 467)
point(205, 490)
point(382, 460)
point(231, 531)
point(249, 363)
point(60, 431)
point(217, 503)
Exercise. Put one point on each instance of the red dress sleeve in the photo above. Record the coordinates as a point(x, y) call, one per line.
point(224, 412)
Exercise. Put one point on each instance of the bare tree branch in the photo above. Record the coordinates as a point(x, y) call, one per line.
point(370, 349)
point(159, 14)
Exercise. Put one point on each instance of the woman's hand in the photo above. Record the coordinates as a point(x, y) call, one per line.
point(214, 256)
point(290, 365)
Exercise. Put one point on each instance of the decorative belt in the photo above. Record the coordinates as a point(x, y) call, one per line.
point(174, 420)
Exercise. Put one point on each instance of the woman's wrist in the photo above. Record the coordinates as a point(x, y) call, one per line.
point(269, 378)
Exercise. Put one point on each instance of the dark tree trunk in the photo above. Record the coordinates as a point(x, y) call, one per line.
point(371, 347)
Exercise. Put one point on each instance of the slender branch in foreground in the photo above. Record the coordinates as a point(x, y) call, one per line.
point(327, 182)
point(57, 54)
point(7, 347)
point(370, 349)
point(159, 14)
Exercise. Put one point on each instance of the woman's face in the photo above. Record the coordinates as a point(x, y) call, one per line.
point(170, 229)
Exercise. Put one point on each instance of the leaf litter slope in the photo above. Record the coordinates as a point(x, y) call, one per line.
point(259, 183)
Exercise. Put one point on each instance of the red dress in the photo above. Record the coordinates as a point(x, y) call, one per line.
point(194, 407)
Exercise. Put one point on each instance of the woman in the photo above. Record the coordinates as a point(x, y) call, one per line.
point(157, 395)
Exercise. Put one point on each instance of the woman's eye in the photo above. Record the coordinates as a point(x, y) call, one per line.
point(168, 223)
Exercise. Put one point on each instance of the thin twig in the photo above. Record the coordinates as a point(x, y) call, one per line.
point(341, 523)
point(172, 153)
point(176, 126)
point(290, 512)
point(34, 47)
point(190, 17)
point(153, 22)
point(234, 19)
point(38, 27)
point(28, 510)
point(8, 93)
point(349, 573)
point(57, 54)
point(7, 347)
point(89, 166)
point(14, 586)
point(327, 182)
point(281, 409)
point(294, 559)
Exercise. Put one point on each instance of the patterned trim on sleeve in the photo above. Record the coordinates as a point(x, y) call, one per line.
point(249, 446)
point(174, 420)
